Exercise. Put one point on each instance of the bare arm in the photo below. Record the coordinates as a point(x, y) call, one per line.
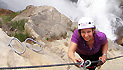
point(105, 48)
point(104, 51)
point(71, 52)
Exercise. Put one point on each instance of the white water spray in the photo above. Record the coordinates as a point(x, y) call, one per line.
point(103, 12)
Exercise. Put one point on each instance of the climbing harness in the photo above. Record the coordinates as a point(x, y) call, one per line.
point(14, 48)
point(25, 46)
point(34, 42)
point(82, 65)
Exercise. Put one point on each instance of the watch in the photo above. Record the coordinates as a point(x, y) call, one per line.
point(105, 54)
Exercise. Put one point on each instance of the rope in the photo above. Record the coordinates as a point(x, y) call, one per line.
point(106, 59)
point(114, 58)
point(21, 67)
point(87, 63)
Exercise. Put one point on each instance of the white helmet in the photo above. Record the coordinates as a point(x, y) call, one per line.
point(85, 22)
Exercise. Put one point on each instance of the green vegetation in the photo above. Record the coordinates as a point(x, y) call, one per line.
point(47, 39)
point(19, 25)
point(14, 28)
point(21, 36)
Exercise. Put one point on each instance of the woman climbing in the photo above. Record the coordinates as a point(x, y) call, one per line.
point(88, 43)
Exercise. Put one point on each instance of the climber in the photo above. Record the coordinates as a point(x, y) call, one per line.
point(88, 43)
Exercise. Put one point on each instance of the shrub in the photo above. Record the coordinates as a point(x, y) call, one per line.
point(21, 36)
point(19, 25)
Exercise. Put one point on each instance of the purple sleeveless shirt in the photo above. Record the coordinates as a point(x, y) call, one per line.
point(100, 40)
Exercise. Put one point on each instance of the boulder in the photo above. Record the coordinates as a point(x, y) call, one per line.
point(46, 21)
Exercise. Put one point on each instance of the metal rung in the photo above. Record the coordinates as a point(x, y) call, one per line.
point(34, 42)
point(14, 48)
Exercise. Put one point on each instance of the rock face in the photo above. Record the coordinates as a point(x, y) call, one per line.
point(11, 59)
point(46, 22)
point(119, 33)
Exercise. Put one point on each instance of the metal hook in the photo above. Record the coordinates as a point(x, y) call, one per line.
point(34, 42)
point(88, 62)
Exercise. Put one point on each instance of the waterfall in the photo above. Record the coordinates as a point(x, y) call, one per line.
point(104, 12)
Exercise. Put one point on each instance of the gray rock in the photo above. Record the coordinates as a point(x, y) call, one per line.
point(46, 21)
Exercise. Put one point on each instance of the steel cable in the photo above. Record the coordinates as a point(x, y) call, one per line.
point(21, 67)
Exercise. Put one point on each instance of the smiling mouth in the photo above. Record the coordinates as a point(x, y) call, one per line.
point(87, 39)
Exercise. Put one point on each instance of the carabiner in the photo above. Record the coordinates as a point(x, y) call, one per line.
point(87, 63)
